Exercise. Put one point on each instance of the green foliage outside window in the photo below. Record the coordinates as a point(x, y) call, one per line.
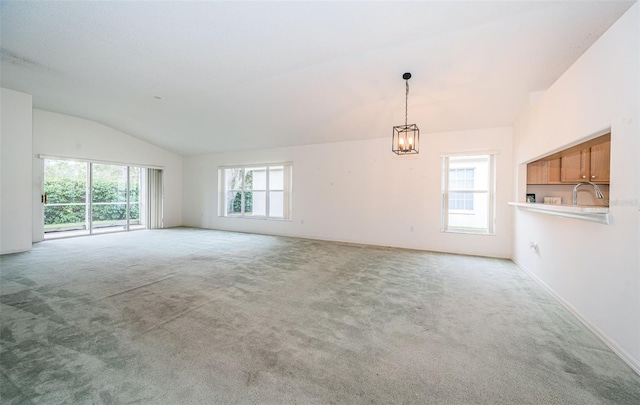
point(248, 196)
point(67, 190)
point(248, 202)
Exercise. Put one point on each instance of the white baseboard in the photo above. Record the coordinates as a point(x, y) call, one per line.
point(623, 354)
point(8, 252)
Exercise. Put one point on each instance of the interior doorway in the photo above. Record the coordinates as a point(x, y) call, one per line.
point(86, 198)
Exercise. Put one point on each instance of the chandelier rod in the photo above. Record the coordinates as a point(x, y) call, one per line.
point(406, 102)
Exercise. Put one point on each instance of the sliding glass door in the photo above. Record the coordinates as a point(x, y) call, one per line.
point(86, 198)
point(65, 198)
point(109, 195)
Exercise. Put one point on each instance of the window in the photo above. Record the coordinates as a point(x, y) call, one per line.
point(461, 201)
point(262, 191)
point(468, 193)
point(461, 179)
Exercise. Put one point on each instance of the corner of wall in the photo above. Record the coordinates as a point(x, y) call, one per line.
point(16, 110)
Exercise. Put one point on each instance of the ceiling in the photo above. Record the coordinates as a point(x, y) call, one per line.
point(201, 77)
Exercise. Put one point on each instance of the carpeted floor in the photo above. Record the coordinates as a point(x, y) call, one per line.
point(186, 316)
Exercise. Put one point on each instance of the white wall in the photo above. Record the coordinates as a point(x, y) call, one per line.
point(65, 136)
point(361, 192)
point(15, 171)
point(586, 195)
point(593, 268)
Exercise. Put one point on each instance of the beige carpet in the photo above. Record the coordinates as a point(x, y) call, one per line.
point(186, 316)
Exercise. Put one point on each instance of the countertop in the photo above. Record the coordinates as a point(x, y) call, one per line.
point(594, 213)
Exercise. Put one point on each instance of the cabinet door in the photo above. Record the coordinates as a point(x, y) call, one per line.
point(537, 172)
point(554, 171)
point(600, 161)
point(574, 166)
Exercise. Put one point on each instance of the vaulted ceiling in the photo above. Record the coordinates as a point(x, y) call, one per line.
point(198, 77)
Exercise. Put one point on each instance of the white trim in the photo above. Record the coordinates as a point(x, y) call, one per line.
point(107, 162)
point(471, 153)
point(594, 135)
point(241, 166)
point(610, 343)
point(89, 211)
point(128, 208)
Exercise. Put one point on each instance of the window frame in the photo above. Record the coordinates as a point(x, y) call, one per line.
point(489, 191)
point(286, 167)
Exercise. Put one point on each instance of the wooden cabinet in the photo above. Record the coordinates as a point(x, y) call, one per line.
point(538, 172)
point(554, 171)
point(585, 162)
point(544, 172)
point(600, 162)
point(588, 164)
point(574, 166)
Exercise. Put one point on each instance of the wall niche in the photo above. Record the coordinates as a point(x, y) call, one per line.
point(554, 176)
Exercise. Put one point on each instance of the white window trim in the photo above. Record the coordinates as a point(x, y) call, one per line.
point(286, 190)
point(491, 193)
point(471, 153)
point(105, 162)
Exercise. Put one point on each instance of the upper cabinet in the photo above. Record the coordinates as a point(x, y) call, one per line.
point(544, 171)
point(600, 162)
point(538, 172)
point(575, 166)
point(585, 162)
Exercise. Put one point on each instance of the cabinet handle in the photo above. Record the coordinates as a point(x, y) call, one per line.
point(593, 177)
point(584, 177)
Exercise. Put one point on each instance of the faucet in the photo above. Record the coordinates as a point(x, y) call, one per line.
point(595, 187)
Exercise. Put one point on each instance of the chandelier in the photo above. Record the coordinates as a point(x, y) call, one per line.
point(406, 138)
